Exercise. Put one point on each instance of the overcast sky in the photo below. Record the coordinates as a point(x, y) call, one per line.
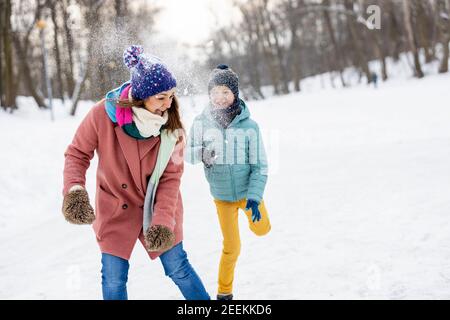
point(191, 21)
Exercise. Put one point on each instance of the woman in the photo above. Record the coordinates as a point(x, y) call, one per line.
point(136, 133)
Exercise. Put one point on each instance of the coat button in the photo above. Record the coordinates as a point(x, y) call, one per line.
point(125, 206)
point(124, 186)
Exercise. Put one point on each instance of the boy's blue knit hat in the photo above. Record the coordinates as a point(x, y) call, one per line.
point(223, 75)
point(149, 76)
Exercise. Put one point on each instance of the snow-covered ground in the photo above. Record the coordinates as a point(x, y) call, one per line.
point(358, 196)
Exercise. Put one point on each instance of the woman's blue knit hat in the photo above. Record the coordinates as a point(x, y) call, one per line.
point(149, 75)
point(223, 75)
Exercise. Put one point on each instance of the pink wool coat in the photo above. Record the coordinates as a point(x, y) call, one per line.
point(124, 165)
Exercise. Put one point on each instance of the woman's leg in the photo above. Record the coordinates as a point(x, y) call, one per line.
point(114, 277)
point(228, 218)
point(260, 227)
point(177, 267)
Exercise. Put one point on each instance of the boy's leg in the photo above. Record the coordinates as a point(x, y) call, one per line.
point(228, 217)
point(260, 227)
point(178, 268)
point(114, 277)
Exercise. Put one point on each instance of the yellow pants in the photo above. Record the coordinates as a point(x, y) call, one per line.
point(228, 218)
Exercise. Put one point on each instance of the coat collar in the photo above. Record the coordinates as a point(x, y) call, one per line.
point(245, 114)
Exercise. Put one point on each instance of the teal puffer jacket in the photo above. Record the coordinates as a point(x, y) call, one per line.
point(240, 168)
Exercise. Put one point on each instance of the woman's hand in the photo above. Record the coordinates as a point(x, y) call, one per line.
point(159, 238)
point(76, 207)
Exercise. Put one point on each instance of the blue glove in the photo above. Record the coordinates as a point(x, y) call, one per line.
point(252, 204)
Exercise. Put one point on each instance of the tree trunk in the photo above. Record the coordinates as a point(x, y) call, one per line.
point(378, 46)
point(21, 45)
point(59, 72)
point(361, 60)
point(337, 51)
point(69, 74)
point(295, 46)
point(424, 27)
point(278, 50)
point(254, 75)
point(264, 43)
point(444, 33)
point(410, 8)
point(272, 56)
point(2, 19)
point(77, 91)
point(381, 56)
point(394, 32)
point(121, 9)
point(295, 52)
point(8, 85)
point(25, 70)
point(92, 18)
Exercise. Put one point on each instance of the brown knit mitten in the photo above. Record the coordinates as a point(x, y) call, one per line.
point(76, 207)
point(159, 238)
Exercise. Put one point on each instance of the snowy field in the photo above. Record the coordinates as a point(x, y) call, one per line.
point(358, 196)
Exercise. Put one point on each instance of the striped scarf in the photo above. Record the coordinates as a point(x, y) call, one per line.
point(138, 123)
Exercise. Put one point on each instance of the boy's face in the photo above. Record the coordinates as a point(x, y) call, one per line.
point(221, 97)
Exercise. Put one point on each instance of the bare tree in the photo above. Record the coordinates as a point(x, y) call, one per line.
point(2, 22)
point(91, 19)
point(69, 47)
point(377, 42)
point(279, 42)
point(121, 9)
point(53, 5)
point(410, 10)
point(424, 28)
point(254, 55)
point(294, 20)
point(267, 46)
point(274, 41)
point(22, 45)
point(444, 32)
point(331, 33)
point(355, 36)
point(2, 28)
point(8, 91)
point(253, 13)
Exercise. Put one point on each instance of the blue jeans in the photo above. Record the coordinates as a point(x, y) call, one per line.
point(176, 266)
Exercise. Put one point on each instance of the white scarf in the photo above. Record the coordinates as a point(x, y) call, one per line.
point(149, 124)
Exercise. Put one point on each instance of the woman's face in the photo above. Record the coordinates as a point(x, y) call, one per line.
point(221, 97)
point(160, 102)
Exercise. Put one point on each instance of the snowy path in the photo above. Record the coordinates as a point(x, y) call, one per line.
point(359, 199)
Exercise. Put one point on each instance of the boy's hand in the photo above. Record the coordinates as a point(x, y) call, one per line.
point(208, 157)
point(252, 204)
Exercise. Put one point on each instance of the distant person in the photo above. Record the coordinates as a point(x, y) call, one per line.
point(236, 172)
point(137, 133)
point(374, 79)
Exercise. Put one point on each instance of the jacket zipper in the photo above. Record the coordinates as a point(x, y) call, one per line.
point(233, 186)
point(230, 166)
